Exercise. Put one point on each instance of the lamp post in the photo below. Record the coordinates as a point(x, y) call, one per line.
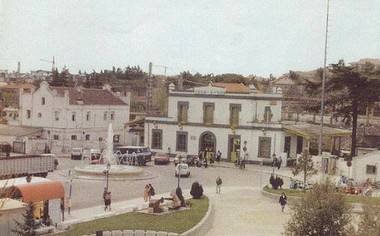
point(70, 192)
point(106, 173)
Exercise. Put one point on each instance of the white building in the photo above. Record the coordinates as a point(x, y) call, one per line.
point(74, 117)
point(222, 116)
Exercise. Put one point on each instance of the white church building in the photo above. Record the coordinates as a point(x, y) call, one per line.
point(221, 116)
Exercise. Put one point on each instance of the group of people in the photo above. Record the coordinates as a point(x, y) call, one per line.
point(208, 156)
point(148, 192)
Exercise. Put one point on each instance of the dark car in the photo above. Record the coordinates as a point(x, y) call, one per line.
point(161, 159)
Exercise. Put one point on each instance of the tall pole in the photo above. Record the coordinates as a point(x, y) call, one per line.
point(324, 80)
point(149, 89)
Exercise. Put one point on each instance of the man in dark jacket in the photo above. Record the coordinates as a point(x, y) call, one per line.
point(283, 201)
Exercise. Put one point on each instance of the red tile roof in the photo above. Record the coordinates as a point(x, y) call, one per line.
point(87, 96)
point(233, 87)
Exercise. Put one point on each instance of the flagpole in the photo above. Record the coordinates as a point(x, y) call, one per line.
point(324, 81)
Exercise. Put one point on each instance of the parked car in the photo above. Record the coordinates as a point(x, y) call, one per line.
point(179, 159)
point(161, 159)
point(94, 156)
point(76, 153)
point(182, 169)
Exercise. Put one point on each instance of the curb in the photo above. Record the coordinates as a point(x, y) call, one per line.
point(357, 208)
point(203, 226)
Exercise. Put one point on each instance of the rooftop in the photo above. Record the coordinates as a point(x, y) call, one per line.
point(309, 131)
point(232, 87)
point(86, 96)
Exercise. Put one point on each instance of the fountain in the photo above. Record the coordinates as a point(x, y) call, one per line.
point(111, 164)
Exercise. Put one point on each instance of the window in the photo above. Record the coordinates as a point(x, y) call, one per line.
point(73, 116)
point(264, 147)
point(234, 114)
point(116, 138)
point(43, 101)
point(56, 115)
point(28, 114)
point(56, 137)
point(181, 145)
point(112, 115)
point(39, 114)
point(156, 139)
point(88, 116)
point(182, 107)
point(268, 114)
point(208, 113)
point(371, 169)
point(73, 137)
point(87, 137)
point(100, 139)
point(105, 116)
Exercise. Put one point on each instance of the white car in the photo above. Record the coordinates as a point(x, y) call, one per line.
point(182, 169)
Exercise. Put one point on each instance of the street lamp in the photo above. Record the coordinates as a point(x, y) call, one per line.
point(106, 173)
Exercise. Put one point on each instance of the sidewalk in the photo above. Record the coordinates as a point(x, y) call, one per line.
point(121, 207)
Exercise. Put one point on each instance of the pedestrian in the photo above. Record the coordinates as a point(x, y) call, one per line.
point(107, 201)
point(218, 156)
point(279, 162)
point(152, 192)
point(283, 201)
point(146, 193)
point(104, 198)
point(218, 184)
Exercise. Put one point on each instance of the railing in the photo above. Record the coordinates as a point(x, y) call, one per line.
point(132, 233)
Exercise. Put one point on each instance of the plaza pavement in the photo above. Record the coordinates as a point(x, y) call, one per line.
point(237, 211)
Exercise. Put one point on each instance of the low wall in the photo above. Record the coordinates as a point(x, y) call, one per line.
point(357, 208)
point(133, 233)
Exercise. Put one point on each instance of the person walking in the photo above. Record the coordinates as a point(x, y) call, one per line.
point(107, 201)
point(218, 156)
point(218, 184)
point(283, 201)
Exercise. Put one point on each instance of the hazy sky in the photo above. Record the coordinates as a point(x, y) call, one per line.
point(247, 37)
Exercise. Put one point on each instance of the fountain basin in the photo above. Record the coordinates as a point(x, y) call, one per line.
point(116, 172)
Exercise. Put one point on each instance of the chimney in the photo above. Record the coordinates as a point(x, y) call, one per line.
point(18, 67)
point(180, 83)
point(171, 87)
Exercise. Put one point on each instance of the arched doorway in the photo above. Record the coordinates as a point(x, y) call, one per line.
point(207, 140)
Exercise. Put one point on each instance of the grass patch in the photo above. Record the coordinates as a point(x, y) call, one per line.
point(176, 222)
point(349, 198)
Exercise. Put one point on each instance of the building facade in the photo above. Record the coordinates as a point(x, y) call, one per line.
point(228, 117)
point(74, 117)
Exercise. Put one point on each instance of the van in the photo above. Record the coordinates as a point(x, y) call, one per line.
point(76, 153)
point(139, 150)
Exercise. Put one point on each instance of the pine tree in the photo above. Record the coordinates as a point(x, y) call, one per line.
point(305, 166)
point(28, 226)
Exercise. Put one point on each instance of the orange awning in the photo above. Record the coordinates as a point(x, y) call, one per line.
point(35, 192)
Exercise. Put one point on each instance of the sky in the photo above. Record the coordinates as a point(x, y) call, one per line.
point(248, 37)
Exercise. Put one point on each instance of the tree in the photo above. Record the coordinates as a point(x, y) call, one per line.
point(305, 166)
point(321, 212)
point(369, 221)
point(349, 89)
point(28, 227)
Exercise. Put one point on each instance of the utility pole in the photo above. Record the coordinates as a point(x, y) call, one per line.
point(320, 144)
point(149, 91)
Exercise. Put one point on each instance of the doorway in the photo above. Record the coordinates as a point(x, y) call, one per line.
point(207, 140)
point(233, 147)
